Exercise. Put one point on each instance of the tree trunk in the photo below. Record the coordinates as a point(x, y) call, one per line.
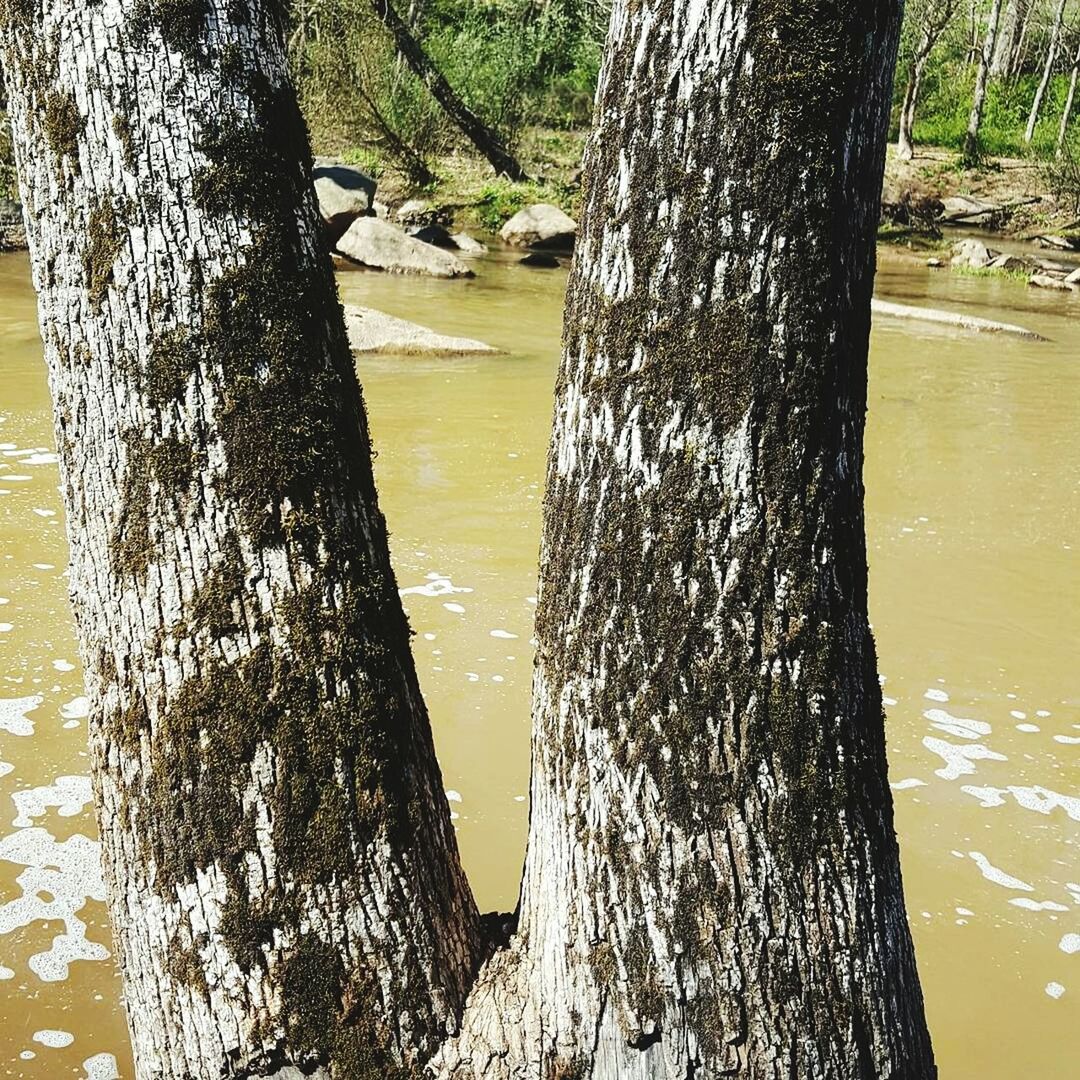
point(283, 877)
point(1013, 28)
point(486, 141)
point(972, 153)
point(712, 884)
point(1048, 71)
point(938, 18)
point(1066, 114)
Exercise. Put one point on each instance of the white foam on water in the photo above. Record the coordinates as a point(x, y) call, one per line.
point(6, 973)
point(904, 785)
point(76, 709)
point(13, 718)
point(1041, 712)
point(933, 694)
point(1068, 740)
point(16, 479)
point(437, 585)
point(987, 796)
point(54, 1038)
point(959, 759)
point(997, 876)
point(957, 725)
point(41, 458)
point(1055, 990)
point(101, 1067)
point(507, 636)
point(1029, 729)
point(6, 628)
point(28, 1055)
point(5, 768)
point(1044, 801)
point(457, 609)
point(453, 796)
point(62, 665)
point(1070, 944)
point(44, 566)
point(69, 793)
point(890, 701)
point(1037, 905)
point(69, 872)
point(43, 513)
point(963, 911)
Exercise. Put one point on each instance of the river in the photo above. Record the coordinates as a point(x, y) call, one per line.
point(973, 502)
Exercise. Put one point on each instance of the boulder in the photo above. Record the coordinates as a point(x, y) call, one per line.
point(1045, 281)
point(973, 253)
point(381, 246)
point(433, 234)
point(540, 226)
point(1073, 278)
point(418, 212)
point(372, 331)
point(1009, 263)
point(467, 245)
point(344, 194)
point(12, 229)
point(541, 260)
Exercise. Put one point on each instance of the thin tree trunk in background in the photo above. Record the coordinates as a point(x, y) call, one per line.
point(1070, 100)
point(1013, 25)
point(938, 19)
point(712, 885)
point(284, 882)
point(1048, 71)
point(486, 141)
point(1020, 52)
point(972, 150)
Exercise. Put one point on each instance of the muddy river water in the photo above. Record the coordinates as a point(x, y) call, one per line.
point(973, 489)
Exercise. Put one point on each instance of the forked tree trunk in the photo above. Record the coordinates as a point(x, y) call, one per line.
point(712, 884)
point(284, 882)
point(972, 153)
point(1014, 21)
point(1070, 100)
point(1048, 71)
point(938, 16)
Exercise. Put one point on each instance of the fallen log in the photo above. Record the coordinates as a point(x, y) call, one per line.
point(950, 318)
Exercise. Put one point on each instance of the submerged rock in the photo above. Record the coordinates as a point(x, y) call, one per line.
point(373, 331)
point(344, 194)
point(541, 226)
point(467, 245)
point(1048, 281)
point(951, 318)
point(541, 260)
point(379, 245)
point(12, 229)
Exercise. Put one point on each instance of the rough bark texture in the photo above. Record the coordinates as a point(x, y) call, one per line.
point(486, 141)
point(972, 149)
point(712, 886)
point(1009, 46)
point(284, 881)
point(1048, 71)
point(938, 14)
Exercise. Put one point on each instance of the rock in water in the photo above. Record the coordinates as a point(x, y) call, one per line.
point(541, 226)
point(541, 260)
point(12, 229)
point(344, 194)
point(973, 253)
point(1046, 281)
point(467, 245)
point(372, 331)
point(434, 234)
point(378, 244)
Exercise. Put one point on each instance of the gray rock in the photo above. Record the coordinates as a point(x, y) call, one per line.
point(541, 226)
point(416, 212)
point(934, 263)
point(1009, 263)
point(1073, 278)
point(467, 245)
point(381, 246)
point(12, 229)
point(1045, 281)
point(973, 253)
point(373, 331)
point(344, 194)
point(967, 209)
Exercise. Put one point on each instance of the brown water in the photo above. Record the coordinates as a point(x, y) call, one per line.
point(973, 480)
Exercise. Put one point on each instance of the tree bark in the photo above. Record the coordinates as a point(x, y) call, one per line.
point(972, 153)
point(938, 17)
point(712, 884)
point(1070, 100)
point(486, 141)
point(1013, 29)
point(1048, 71)
point(284, 882)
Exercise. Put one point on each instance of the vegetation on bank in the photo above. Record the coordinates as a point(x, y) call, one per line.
point(528, 70)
